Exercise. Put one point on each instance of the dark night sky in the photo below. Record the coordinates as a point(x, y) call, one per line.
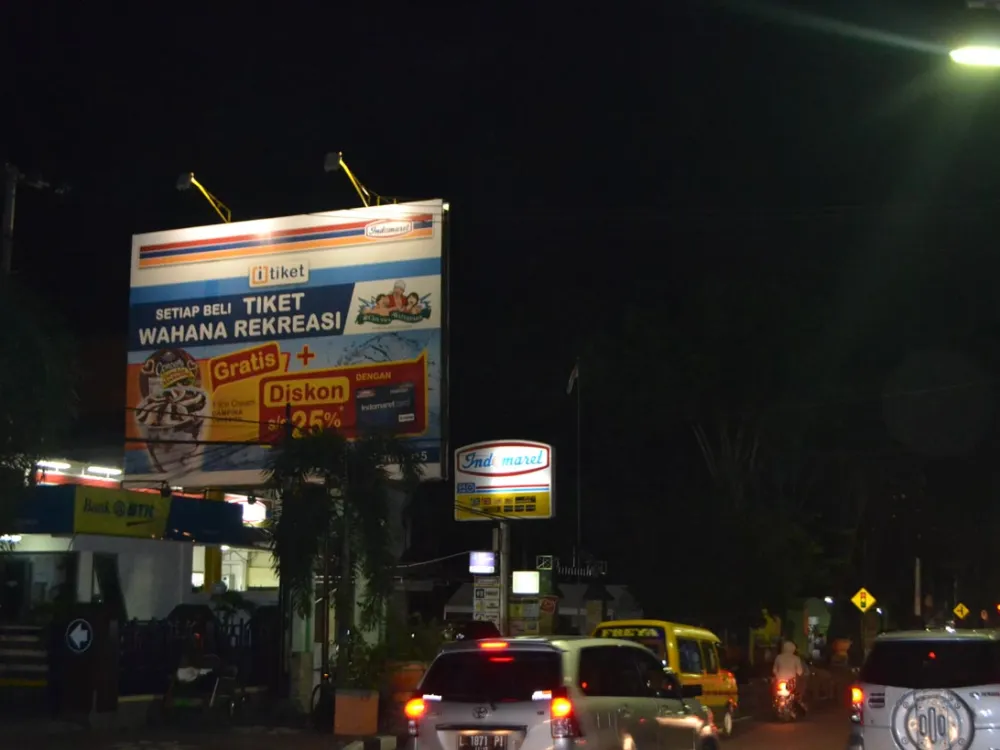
point(593, 158)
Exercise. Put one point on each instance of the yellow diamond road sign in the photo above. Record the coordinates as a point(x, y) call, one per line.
point(863, 600)
point(961, 610)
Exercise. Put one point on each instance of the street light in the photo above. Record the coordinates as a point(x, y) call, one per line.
point(12, 178)
point(984, 52)
point(976, 55)
point(187, 180)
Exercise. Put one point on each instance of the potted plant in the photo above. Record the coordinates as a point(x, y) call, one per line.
point(357, 694)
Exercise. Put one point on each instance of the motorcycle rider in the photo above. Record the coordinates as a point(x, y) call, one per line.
point(788, 666)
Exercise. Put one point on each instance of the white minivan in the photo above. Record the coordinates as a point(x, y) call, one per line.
point(555, 692)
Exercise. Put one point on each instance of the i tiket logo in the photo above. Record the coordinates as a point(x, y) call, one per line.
point(278, 274)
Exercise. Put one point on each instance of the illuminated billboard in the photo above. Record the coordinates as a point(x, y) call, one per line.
point(334, 320)
point(504, 479)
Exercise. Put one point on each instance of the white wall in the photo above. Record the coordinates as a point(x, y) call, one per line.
point(155, 575)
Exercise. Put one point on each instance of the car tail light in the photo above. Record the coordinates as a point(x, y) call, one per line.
point(563, 719)
point(414, 710)
point(857, 705)
point(492, 645)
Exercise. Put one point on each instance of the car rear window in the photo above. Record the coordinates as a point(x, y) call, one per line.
point(919, 665)
point(493, 676)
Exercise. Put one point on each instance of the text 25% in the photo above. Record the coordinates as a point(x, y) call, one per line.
point(303, 419)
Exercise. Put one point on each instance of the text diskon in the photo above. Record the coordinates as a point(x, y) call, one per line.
point(334, 390)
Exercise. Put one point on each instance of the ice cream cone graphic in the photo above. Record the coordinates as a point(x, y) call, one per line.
point(172, 415)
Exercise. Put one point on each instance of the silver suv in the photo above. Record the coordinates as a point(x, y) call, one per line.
point(555, 692)
point(929, 689)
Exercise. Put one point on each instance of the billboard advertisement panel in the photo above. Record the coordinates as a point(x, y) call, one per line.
point(504, 479)
point(333, 319)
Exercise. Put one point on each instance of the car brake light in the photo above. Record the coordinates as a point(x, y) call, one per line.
point(414, 710)
point(492, 645)
point(561, 708)
point(563, 721)
point(857, 705)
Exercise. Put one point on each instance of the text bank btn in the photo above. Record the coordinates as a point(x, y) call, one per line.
point(249, 363)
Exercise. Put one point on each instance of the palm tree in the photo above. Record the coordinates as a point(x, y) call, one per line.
point(334, 509)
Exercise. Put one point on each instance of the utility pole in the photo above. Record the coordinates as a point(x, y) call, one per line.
point(12, 176)
point(501, 544)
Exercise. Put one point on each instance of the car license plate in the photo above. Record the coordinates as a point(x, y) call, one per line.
point(483, 741)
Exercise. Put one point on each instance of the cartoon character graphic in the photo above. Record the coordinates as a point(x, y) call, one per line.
point(383, 309)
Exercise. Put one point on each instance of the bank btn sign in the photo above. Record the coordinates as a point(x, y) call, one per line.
point(504, 479)
point(331, 319)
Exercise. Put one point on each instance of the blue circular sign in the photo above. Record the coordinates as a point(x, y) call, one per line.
point(79, 636)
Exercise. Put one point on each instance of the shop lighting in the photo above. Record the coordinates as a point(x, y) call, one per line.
point(104, 470)
point(54, 465)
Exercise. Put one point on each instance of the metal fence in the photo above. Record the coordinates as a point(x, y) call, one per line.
point(151, 651)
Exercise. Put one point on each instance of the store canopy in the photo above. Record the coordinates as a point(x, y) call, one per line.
point(69, 509)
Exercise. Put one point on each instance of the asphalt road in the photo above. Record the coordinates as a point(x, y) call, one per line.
point(826, 730)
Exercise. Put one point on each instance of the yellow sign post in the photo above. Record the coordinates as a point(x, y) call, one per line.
point(961, 611)
point(863, 600)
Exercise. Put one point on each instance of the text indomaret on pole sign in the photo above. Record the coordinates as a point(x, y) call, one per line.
point(504, 479)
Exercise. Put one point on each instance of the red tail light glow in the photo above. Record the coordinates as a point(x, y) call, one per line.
point(857, 705)
point(561, 708)
point(502, 659)
point(563, 722)
point(415, 709)
point(492, 645)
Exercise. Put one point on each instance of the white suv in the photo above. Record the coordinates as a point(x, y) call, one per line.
point(555, 693)
point(929, 689)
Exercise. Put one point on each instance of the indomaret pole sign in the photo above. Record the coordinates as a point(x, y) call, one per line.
point(504, 479)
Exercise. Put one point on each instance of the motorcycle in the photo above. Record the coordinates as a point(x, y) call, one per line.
point(784, 701)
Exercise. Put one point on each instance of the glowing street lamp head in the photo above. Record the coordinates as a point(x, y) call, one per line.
point(980, 56)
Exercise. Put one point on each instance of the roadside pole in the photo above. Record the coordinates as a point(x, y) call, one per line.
point(501, 544)
point(11, 177)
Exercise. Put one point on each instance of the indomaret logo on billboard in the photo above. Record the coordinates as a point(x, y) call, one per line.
point(384, 230)
point(278, 274)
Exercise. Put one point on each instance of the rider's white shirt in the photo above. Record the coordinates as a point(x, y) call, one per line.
point(787, 666)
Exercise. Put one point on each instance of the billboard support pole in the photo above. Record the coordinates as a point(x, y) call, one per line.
point(501, 543)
